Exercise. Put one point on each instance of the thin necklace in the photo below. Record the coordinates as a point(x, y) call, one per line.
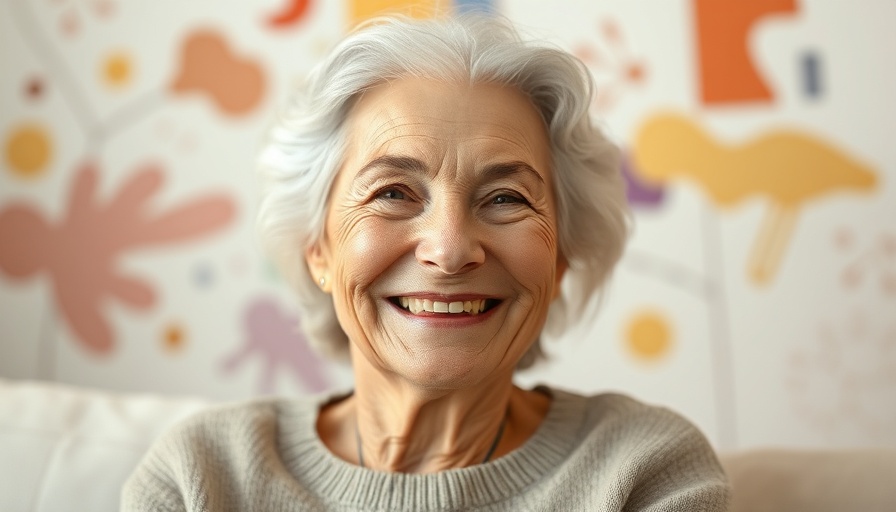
point(488, 455)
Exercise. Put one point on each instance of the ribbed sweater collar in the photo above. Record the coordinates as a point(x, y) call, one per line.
point(339, 482)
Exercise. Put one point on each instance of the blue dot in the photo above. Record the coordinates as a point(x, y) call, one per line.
point(203, 275)
point(474, 6)
point(811, 65)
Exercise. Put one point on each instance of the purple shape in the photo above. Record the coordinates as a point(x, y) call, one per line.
point(276, 338)
point(639, 193)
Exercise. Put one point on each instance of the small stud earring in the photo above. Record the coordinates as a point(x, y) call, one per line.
point(322, 281)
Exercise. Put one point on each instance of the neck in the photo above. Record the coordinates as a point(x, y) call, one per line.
point(407, 428)
point(399, 427)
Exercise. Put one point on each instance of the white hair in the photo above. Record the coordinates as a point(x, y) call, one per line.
point(299, 162)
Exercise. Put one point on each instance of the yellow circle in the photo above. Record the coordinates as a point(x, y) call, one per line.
point(117, 70)
point(649, 336)
point(28, 150)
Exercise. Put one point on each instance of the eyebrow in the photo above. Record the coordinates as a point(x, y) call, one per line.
point(497, 170)
point(395, 162)
point(502, 169)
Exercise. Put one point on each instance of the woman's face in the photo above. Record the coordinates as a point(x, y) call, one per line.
point(440, 247)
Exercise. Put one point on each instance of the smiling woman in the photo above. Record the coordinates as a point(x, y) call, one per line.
point(437, 194)
point(441, 186)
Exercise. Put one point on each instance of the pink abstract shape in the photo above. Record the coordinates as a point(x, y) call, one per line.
point(275, 337)
point(615, 70)
point(81, 253)
point(875, 262)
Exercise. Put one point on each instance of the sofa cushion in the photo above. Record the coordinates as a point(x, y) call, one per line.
point(812, 481)
point(65, 448)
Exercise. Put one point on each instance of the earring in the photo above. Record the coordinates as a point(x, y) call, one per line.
point(322, 281)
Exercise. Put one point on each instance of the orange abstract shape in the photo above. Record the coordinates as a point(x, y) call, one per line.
point(28, 150)
point(208, 66)
point(293, 12)
point(727, 72)
point(173, 338)
point(360, 10)
point(117, 70)
point(648, 336)
point(787, 167)
point(81, 254)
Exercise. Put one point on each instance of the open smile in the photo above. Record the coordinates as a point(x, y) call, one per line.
point(420, 306)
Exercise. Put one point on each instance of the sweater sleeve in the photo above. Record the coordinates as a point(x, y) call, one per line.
point(682, 472)
point(150, 487)
point(205, 463)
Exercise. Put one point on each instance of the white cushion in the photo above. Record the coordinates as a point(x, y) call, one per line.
point(64, 448)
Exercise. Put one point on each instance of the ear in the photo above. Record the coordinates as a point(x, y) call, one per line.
point(317, 258)
point(562, 265)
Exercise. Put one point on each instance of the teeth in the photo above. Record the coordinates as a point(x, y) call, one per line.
point(417, 306)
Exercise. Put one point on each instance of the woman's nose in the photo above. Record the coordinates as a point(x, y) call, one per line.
point(450, 242)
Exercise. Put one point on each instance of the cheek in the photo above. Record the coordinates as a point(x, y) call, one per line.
point(363, 252)
point(531, 256)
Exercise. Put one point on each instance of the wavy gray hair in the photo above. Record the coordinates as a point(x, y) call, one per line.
point(303, 154)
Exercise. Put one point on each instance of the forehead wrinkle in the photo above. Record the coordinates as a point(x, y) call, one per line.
point(388, 129)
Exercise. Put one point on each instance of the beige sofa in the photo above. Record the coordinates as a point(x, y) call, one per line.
point(63, 448)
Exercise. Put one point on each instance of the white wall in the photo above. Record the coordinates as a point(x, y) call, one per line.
point(805, 356)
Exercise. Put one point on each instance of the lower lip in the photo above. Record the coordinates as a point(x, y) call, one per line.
point(446, 320)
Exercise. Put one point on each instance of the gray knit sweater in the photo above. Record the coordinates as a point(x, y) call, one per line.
point(603, 453)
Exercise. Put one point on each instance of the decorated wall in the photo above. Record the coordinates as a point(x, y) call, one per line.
point(757, 296)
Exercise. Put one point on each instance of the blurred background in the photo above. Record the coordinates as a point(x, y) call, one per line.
point(757, 296)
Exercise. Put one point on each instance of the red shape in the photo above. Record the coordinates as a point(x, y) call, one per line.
point(34, 89)
point(727, 73)
point(293, 12)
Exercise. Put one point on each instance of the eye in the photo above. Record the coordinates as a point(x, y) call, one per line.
point(508, 198)
point(391, 193)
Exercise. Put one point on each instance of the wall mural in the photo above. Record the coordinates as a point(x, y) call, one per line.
point(80, 253)
point(789, 169)
point(126, 203)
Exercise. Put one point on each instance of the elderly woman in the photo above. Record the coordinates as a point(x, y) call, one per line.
point(428, 192)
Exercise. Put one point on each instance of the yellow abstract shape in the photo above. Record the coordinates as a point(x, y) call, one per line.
point(360, 10)
point(28, 150)
point(117, 70)
point(648, 336)
point(787, 167)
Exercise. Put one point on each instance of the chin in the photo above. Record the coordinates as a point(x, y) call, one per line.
point(454, 370)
